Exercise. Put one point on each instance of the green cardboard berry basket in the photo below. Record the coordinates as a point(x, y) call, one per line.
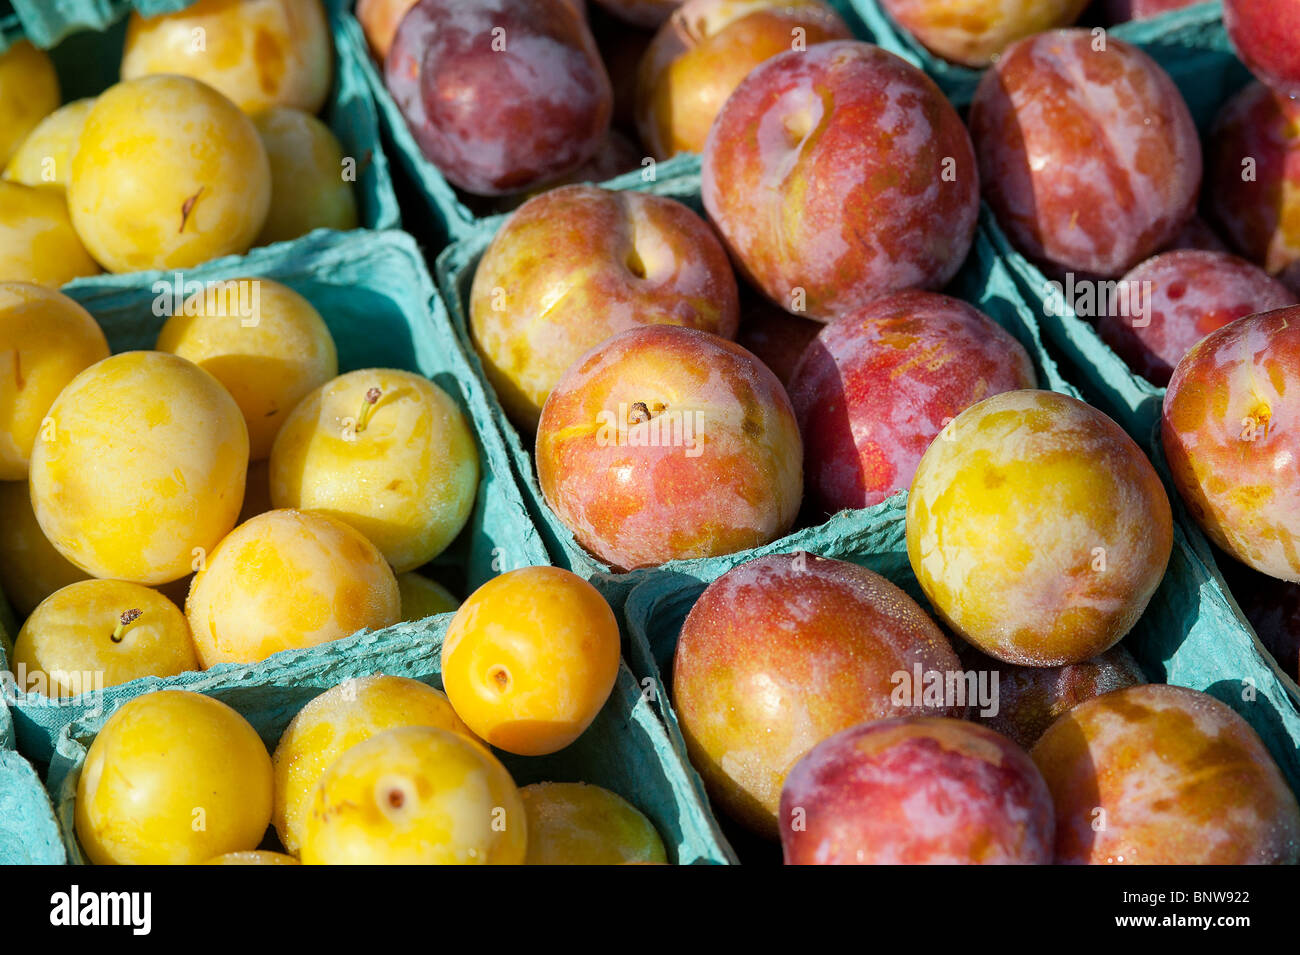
point(452, 218)
point(1188, 636)
point(1175, 39)
point(85, 40)
point(983, 282)
point(625, 749)
point(376, 296)
point(28, 833)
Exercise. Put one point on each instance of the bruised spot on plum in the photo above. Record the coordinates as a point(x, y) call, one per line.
point(1177, 291)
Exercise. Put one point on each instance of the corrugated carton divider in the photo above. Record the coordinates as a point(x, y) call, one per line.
point(983, 281)
point(451, 217)
point(376, 296)
point(1174, 39)
point(89, 35)
point(28, 833)
point(625, 750)
point(1207, 79)
point(1190, 635)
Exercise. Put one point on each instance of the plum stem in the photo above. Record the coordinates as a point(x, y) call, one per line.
point(367, 405)
point(128, 617)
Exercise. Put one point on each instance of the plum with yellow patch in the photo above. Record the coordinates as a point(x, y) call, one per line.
point(1173, 776)
point(881, 382)
point(379, 20)
point(974, 32)
point(37, 241)
point(579, 264)
point(581, 824)
point(422, 597)
point(782, 652)
point(29, 91)
point(168, 174)
point(45, 156)
point(668, 443)
point(309, 184)
point(115, 629)
point(140, 461)
point(1037, 528)
point(416, 795)
point(1253, 176)
point(263, 341)
point(918, 790)
point(385, 451)
point(333, 723)
point(30, 567)
point(838, 175)
point(1088, 154)
point(46, 340)
point(1228, 434)
point(702, 52)
point(530, 659)
point(172, 778)
point(285, 580)
point(257, 53)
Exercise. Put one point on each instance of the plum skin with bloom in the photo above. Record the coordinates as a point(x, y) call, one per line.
point(879, 384)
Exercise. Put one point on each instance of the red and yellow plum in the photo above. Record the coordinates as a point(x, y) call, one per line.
point(974, 32)
point(1037, 528)
point(1165, 775)
point(667, 443)
point(784, 651)
point(1087, 151)
point(1185, 295)
point(1228, 434)
point(839, 175)
point(1264, 34)
point(916, 791)
point(578, 264)
point(880, 383)
point(500, 94)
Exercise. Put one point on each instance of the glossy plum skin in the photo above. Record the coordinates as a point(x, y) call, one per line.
point(838, 175)
point(498, 121)
point(1031, 578)
point(1121, 11)
point(712, 464)
point(880, 383)
point(916, 791)
point(1264, 34)
point(1253, 187)
point(1165, 775)
point(974, 32)
point(1090, 159)
point(1190, 294)
point(578, 264)
point(1031, 698)
point(780, 653)
point(699, 57)
point(1228, 431)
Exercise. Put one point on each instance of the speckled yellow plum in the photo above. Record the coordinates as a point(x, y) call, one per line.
point(115, 629)
point(1037, 528)
point(581, 824)
point(140, 461)
point(173, 778)
point(386, 451)
point(37, 241)
point(46, 340)
point(284, 580)
point(259, 53)
point(416, 795)
point(168, 174)
point(45, 156)
point(266, 343)
point(308, 188)
point(333, 723)
point(530, 658)
point(29, 91)
point(1178, 777)
point(30, 567)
